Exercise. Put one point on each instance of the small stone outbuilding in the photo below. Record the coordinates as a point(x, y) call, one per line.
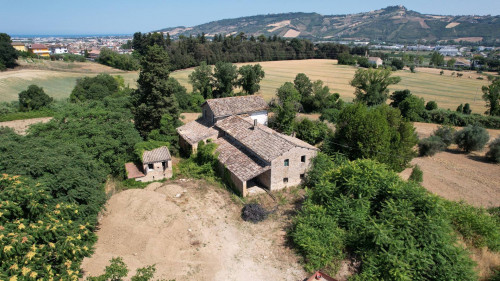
point(156, 165)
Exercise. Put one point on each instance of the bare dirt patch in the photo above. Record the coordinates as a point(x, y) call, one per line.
point(452, 24)
point(469, 39)
point(457, 176)
point(20, 126)
point(191, 231)
point(291, 33)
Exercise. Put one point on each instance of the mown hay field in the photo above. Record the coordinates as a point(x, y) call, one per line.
point(448, 91)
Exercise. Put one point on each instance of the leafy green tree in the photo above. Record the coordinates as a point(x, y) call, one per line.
point(466, 109)
point(460, 108)
point(8, 55)
point(287, 108)
point(312, 132)
point(33, 98)
point(116, 60)
point(472, 138)
point(399, 96)
point(94, 88)
point(431, 105)
point(153, 98)
point(412, 108)
point(304, 85)
point(399, 64)
point(378, 133)
point(372, 85)
point(451, 62)
point(225, 77)
point(494, 151)
point(251, 75)
point(491, 94)
point(201, 80)
point(437, 59)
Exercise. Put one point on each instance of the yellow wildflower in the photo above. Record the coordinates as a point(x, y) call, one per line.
point(13, 278)
point(58, 206)
point(30, 255)
point(52, 245)
point(82, 227)
point(14, 267)
point(33, 274)
point(7, 248)
point(21, 226)
point(25, 270)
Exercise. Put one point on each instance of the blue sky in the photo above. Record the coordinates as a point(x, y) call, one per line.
point(127, 16)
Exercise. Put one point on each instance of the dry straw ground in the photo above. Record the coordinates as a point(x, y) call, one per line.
point(58, 79)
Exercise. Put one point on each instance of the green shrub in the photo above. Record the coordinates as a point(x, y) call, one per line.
point(416, 174)
point(494, 153)
point(430, 146)
point(117, 271)
point(476, 225)
point(431, 105)
point(441, 116)
point(312, 132)
point(412, 108)
point(202, 164)
point(34, 98)
point(390, 224)
point(472, 138)
point(318, 238)
point(378, 133)
point(446, 133)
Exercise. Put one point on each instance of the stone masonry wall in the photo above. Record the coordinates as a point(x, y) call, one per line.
point(295, 169)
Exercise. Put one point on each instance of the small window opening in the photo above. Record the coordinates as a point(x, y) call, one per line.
point(287, 162)
point(302, 176)
point(285, 180)
point(303, 158)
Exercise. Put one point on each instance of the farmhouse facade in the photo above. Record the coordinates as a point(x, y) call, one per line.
point(40, 50)
point(156, 165)
point(376, 61)
point(248, 151)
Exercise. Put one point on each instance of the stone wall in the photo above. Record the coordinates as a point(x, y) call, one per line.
point(294, 172)
point(157, 173)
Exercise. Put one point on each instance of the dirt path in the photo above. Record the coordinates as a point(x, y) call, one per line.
point(197, 236)
point(458, 176)
point(20, 126)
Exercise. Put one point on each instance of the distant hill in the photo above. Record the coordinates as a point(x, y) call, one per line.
point(394, 23)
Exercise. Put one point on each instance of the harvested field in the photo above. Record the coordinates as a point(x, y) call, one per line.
point(20, 126)
point(57, 78)
point(457, 176)
point(446, 90)
point(197, 236)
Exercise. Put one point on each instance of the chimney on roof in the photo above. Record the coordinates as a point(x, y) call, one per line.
point(254, 123)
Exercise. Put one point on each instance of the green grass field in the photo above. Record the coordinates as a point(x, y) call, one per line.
point(446, 90)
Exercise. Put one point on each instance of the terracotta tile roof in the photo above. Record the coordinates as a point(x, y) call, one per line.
point(195, 131)
point(156, 155)
point(133, 171)
point(238, 161)
point(261, 140)
point(38, 46)
point(236, 105)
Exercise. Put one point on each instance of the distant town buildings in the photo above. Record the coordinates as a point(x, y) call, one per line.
point(39, 49)
point(376, 61)
point(58, 49)
point(19, 46)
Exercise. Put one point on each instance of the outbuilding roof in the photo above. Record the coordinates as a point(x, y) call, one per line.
point(236, 105)
point(160, 154)
point(195, 131)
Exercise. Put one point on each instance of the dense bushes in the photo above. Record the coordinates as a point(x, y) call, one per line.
point(446, 133)
point(430, 146)
point(441, 116)
point(41, 238)
point(34, 98)
point(312, 132)
point(202, 164)
point(378, 133)
point(392, 226)
point(472, 138)
point(94, 88)
point(120, 61)
point(494, 151)
point(416, 175)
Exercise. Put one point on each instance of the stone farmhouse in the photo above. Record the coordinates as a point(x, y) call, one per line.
point(156, 165)
point(249, 151)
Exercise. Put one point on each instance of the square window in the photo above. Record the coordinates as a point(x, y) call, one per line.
point(303, 158)
point(285, 180)
point(151, 166)
point(287, 162)
point(302, 176)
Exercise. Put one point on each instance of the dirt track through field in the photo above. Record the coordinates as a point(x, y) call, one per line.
point(191, 231)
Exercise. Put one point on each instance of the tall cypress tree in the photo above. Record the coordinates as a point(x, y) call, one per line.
point(153, 99)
